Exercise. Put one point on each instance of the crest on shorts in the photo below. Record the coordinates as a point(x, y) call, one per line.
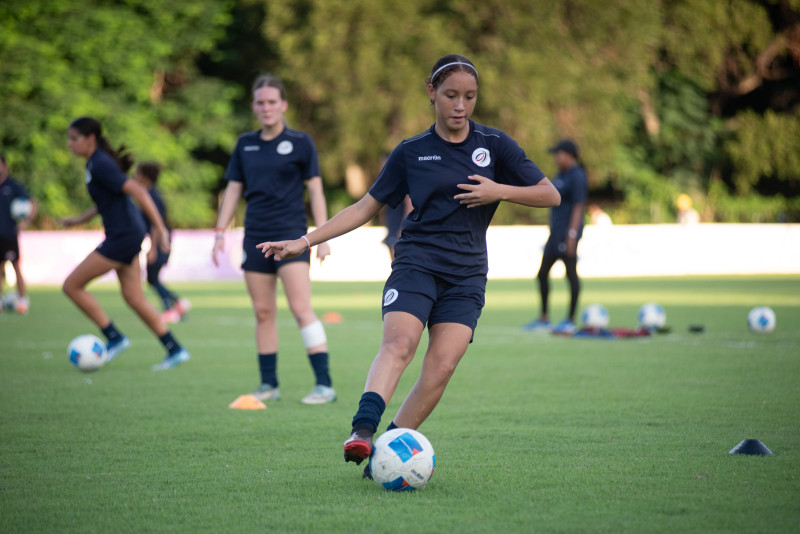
point(390, 296)
point(481, 157)
point(285, 147)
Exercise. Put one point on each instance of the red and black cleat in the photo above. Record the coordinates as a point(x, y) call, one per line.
point(358, 447)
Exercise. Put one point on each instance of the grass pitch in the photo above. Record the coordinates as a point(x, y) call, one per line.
point(534, 434)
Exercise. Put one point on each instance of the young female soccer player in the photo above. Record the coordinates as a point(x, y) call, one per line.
point(175, 308)
point(455, 172)
point(111, 192)
point(272, 167)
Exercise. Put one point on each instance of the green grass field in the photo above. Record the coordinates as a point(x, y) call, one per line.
point(534, 434)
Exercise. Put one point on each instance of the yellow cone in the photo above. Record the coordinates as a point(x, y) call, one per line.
point(247, 402)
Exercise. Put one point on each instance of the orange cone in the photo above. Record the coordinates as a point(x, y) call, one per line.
point(332, 317)
point(247, 402)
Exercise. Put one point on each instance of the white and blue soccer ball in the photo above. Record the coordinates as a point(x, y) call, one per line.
point(761, 319)
point(652, 316)
point(20, 208)
point(594, 316)
point(87, 353)
point(9, 300)
point(402, 460)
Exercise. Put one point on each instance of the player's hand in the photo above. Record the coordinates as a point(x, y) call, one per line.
point(283, 250)
point(323, 251)
point(163, 241)
point(219, 248)
point(483, 191)
point(152, 254)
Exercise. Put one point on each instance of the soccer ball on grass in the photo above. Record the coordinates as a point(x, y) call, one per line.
point(652, 316)
point(594, 316)
point(402, 460)
point(761, 319)
point(87, 353)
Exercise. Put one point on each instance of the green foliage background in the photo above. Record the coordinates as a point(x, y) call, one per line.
point(664, 97)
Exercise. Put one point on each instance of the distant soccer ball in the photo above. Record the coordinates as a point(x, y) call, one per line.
point(761, 319)
point(594, 316)
point(20, 208)
point(9, 300)
point(652, 316)
point(87, 353)
point(402, 460)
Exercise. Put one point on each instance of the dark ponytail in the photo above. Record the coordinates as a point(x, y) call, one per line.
point(87, 126)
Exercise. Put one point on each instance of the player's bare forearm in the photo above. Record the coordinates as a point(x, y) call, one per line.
point(346, 220)
point(233, 192)
point(316, 197)
point(576, 216)
point(542, 195)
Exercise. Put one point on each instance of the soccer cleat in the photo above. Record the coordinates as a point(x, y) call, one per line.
point(565, 328)
point(23, 306)
point(183, 306)
point(538, 325)
point(171, 316)
point(367, 474)
point(115, 348)
point(267, 392)
point(320, 395)
point(358, 447)
point(172, 360)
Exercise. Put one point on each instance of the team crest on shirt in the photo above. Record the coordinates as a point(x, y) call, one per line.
point(88, 176)
point(285, 147)
point(390, 296)
point(481, 157)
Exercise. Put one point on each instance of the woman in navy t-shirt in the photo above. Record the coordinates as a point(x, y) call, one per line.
point(455, 173)
point(111, 191)
point(272, 167)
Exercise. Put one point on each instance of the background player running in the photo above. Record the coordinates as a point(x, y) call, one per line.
point(566, 229)
point(175, 308)
point(11, 189)
point(273, 167)
point(456, 173)
point(111, 192)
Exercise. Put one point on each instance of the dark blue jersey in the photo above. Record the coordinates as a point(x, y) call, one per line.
point(441, 236)
point(104, 180)
point(155, 194)
point(274, 174)
point(9, 190)
point(574, 189)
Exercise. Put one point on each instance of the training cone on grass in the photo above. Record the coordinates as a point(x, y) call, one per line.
point(247, 402)
point(752, 447)
point(332, 318)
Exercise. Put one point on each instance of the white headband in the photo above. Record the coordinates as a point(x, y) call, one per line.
point(433, 76)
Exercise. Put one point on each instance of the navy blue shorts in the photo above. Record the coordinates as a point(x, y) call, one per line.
point(122, 249)
point(431, 299)
point(9, 249)
point(253, 259)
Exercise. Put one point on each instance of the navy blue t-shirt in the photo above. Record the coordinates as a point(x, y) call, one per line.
point(155, 194)
point(9, 190)
point(104, 180)
point(441, 236)
point(274, 173)
point(574, 189)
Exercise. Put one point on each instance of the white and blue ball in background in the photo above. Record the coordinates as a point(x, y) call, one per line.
point(20, 208)
point(595, 316)
point(402, 460)
point(87, 353)
point(652, 316)
point(761, 319)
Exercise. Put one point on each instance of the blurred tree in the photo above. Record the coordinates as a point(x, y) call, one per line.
point(129, 64)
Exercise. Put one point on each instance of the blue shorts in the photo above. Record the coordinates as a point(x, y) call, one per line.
point(431, 299)
point(9, 249)
point(123, 249)
point(253, 259)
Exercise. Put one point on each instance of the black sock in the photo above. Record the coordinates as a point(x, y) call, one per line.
point(319, 362)
point(391, 426)
point(370, 410)
point(268, 366)
point(111, 332)
point(170, 343)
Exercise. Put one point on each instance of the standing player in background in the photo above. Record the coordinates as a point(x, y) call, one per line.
point(111, 192)
point(566, 229)
point(393, 218)
point(175, 308)
point(456, 173)
point(272, 167)
point(10, 228)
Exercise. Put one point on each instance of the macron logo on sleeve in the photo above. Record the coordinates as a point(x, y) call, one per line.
point(251, 148)
point(435, 157)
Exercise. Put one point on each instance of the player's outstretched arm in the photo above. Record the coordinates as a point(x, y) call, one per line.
point(345, 221)
point(233, 192)
point(484, 191)
point(80, 219)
